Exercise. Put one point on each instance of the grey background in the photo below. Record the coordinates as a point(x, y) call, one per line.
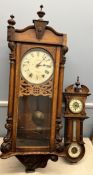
point(74, 17)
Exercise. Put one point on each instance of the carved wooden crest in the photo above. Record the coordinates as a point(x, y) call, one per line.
point(40, 25)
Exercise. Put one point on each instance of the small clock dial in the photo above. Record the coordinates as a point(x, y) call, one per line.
point(74, 150)
point(75, 105)
point(37, 66)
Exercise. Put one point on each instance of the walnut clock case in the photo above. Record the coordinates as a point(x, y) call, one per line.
point(75, 97)
point(33, 125)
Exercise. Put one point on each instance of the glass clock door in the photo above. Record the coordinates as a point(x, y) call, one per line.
point(34, 121)
point(35, 98)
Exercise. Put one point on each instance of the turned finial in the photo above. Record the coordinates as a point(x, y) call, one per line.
point(77, 84)
point(41, 6)
point(41, 13)
point(11, 21)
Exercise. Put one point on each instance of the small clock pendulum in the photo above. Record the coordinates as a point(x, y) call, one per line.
point(75, 98)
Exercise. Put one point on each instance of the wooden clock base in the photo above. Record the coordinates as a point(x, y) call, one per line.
point(32, 162)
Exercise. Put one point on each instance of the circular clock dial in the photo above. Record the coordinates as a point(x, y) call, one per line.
point(75, 105)
point(37, 66)
point(74, 150)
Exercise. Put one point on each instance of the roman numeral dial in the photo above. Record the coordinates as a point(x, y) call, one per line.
point(37, 66)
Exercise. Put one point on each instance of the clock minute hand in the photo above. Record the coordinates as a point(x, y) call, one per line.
point(37, 65)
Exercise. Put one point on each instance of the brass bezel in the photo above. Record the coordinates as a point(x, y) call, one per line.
point(76, 112)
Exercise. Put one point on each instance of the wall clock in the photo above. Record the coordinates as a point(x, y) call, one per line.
point(33, 125)
point(75, 97)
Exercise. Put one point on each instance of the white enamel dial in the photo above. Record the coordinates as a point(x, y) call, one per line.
point(74, 150)
point(75, 105)
point(37, 66)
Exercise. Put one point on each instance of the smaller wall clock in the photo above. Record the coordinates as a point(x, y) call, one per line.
point(75, 97)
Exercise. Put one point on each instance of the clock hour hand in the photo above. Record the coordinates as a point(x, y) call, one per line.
point(43, 65)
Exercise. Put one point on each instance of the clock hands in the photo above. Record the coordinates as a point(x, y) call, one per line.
point(76, 105)
point(37, 65)
point(43, 65)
